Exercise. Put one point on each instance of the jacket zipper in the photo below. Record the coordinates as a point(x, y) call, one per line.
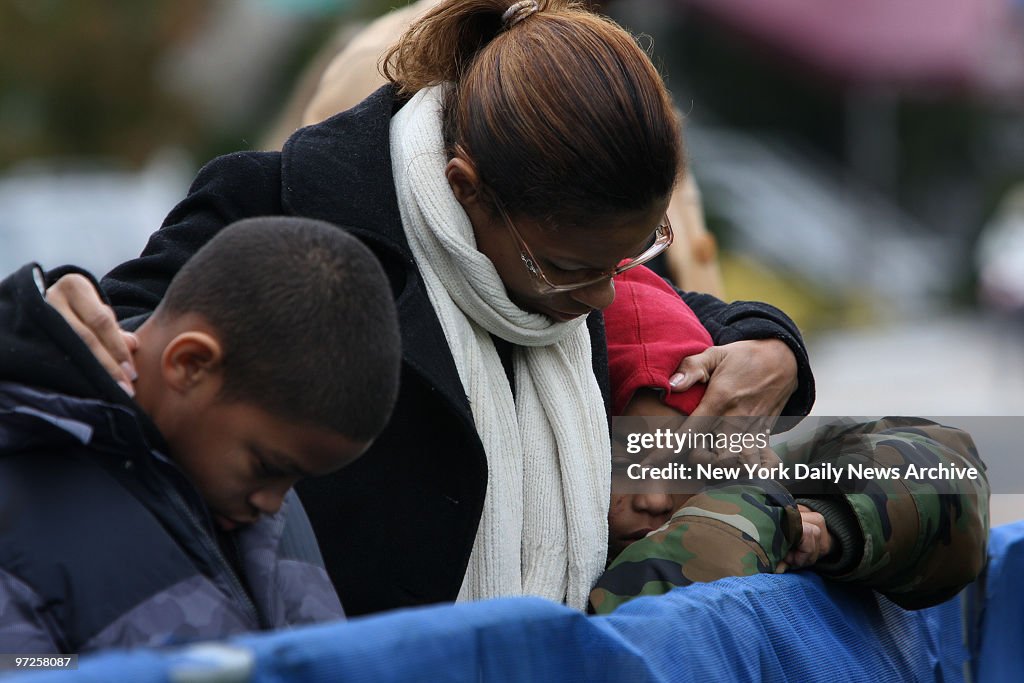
point(239, 593)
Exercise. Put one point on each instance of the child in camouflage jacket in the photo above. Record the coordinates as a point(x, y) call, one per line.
point(917, 542)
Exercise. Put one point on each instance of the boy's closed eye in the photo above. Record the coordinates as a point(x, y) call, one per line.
point(265, 467)
point(270, 471)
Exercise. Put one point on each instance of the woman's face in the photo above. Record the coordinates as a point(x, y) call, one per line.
point(564, 255)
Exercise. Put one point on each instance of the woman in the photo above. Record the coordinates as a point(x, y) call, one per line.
point(521, 153)
point(336, 80)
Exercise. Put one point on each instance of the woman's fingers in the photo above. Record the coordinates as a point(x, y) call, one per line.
point(79, 303)
point(696, 368)
point(743, 378)
point(748, 382)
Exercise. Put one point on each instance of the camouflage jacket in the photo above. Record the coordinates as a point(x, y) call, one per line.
point(918, 540)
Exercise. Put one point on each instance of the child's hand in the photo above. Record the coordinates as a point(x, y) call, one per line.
point(815, 542)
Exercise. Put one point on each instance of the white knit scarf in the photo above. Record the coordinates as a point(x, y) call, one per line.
point(544, 525)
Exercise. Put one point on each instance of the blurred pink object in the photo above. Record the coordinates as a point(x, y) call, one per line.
point(975, 45)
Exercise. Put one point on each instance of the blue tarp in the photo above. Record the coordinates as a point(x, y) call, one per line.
point(765, 628)
point(1001, 649)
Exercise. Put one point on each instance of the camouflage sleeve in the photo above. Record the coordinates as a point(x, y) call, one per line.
point(917, 540)
point(733, 530)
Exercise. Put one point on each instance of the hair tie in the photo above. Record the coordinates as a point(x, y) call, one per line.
point(517, 12)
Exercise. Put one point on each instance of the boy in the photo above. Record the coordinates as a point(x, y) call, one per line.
point(898, 537)
point(171, 517)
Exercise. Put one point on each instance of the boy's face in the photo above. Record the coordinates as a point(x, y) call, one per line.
point(243, 460)
point(633, 516)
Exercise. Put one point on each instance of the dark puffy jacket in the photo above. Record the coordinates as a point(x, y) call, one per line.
point(103, 542)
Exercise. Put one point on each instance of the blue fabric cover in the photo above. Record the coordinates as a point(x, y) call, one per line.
point(764, 628)
point(1001, 650)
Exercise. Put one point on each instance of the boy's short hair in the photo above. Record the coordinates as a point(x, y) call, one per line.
point(306, 319)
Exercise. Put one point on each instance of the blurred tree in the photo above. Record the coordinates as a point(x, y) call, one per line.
point(79, 79)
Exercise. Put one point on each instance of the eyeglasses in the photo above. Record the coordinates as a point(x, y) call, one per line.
point(662, 239)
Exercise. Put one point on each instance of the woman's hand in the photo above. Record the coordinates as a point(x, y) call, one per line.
point(753, 378)
point(77, 300)
point(748, 381)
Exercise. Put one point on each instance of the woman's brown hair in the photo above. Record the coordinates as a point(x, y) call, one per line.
point(563, 114)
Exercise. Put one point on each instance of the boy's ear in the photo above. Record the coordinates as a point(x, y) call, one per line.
point(192, 359)
point(464, 180)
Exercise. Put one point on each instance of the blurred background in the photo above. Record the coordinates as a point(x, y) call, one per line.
point(861, 161)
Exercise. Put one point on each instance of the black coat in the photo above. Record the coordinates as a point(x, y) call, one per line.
point(396, 528)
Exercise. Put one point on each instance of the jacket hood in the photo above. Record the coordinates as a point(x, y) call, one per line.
point(37, 419)
point(38, 349)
